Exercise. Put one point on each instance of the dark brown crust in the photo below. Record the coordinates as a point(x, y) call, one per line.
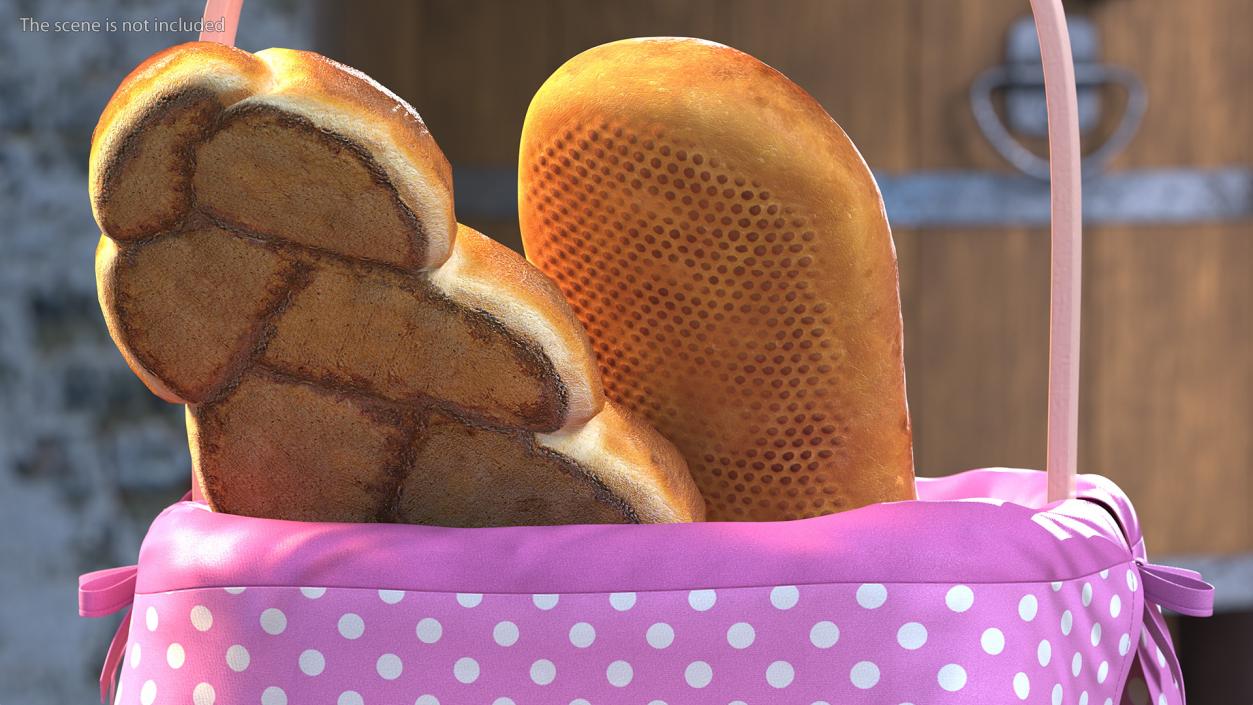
point(417, 246)
point(160, 111)
point(549, 410)
point(410, 422)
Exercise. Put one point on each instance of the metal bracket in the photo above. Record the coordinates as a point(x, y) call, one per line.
point(1022, 79)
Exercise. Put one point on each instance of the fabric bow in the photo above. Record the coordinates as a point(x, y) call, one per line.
point(102, 593)
point(1177, 589)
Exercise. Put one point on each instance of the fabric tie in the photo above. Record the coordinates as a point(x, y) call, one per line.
point(102, 593)
point(1177, 589)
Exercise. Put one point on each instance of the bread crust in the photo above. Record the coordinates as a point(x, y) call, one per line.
point(754, 317)
point(280, 253)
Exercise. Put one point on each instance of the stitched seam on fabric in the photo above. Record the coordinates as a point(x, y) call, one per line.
point(655, 590)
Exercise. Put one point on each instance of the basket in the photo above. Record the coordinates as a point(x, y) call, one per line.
point(995, 586)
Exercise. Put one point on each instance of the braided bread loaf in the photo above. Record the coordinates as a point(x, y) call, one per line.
point(280, 253)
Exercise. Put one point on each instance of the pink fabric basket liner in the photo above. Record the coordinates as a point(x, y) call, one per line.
point(980, 591)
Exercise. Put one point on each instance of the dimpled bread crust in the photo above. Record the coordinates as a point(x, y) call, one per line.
point(280, 254)
point(726, 248)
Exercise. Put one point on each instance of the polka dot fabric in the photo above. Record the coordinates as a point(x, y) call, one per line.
point(873, 642)
point(1077, 640)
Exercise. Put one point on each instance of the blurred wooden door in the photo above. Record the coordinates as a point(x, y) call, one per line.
point(1168, 348)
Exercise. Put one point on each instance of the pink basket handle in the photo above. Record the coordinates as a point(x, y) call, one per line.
point(222, 21)
point(1065, 181)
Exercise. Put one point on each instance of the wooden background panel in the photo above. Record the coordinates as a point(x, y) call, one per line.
point(1194, 58)
point(471, 66)
point(977, 349)
point(1168, 379)
point(956, 40)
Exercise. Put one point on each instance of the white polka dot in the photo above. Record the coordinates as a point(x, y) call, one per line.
point(503, 701)
point(959, 598)
point(350, 697)
point(619, 674)
point(1044, 652)
point(273, 621)
point(1086, 594)
point(660, 635)
point(1102, 672)
point(202, 694)
point(201, 618)
point(175, 656)
point(1124, 644)
point(872, 595)
point(702, 600)
point(148, 693)
point(391, 597)
point(389, 667)
point(864, 675)
point(581, 701)
point(543, 672)
point(1022, 685)
point(784, 597)
point(741, 635)
point(312, 662)
point(1076, 664)
point(135, 654)
point(1056, 586)
point(1083, 698)
point(545, 601)
point(780, 674)
point(582, 635)
point(1161, 658)
point(1131, 579)
point(1096, 634)
point(1104, 574)
point(1027, 607)
point(150, 620)
point(1057, 694)
point(505, 633)
point(1068, 621)
point(1161, 699)
point(273, 695)
point(313, 593)
point(469, 599)
point(824, 635)
point(237, 658)
point(429, 630)
point(427, 700)
point(466, 670)
point(622, 601)
point(952, 677)
point(234, 590)
point(351, 626)
point(992, 641)
point(911, 635)
point(698, 674)
point(1115, 606)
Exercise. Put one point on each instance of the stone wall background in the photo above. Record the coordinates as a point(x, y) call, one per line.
point(87, 455)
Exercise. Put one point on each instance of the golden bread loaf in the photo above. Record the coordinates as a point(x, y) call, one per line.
point(280, 253)
point(726, 247)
